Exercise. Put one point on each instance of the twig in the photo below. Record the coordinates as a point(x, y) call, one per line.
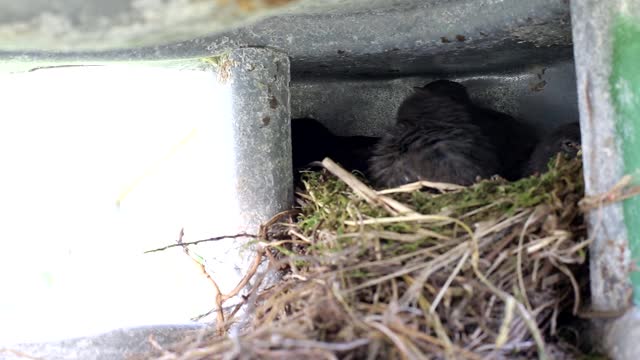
point(254, 267)
point(524, 314)
point(503, 333)
point(220, 297)
point(396, 236)
point(523, 290)
point(414, 288)
point(435, 341)
point(61, 66)
point(365, 192)
point(574, 284)
point(447, 283)
point(592, 314)
point(264, 228)
point(440, 186)
point(432, 320)
point(336, 346)
point(618, 192)
point(202, 316)
point(300, 236)
point(405, 218)
point(157, 346)
point(203, 269)
point(402, 347)
point(250, 300)
point(217, 238)
point(266, 352)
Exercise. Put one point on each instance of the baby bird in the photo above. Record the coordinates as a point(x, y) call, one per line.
point(434, 139)
point(564, 139)
point(513, 140)
point(353, 152)
point(312, 141)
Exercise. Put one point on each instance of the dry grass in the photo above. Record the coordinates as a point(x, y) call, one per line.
point(457, 273)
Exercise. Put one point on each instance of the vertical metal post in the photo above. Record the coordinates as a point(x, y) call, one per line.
point(259, 116)
point(606, 39)
point(602, 148)
point(261, 113)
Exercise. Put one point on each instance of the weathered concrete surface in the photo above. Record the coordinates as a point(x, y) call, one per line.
point(118, 344)
point(620, 336)
point(542, 96)
point(357, 38)
point(63, 25)
point(262, 129)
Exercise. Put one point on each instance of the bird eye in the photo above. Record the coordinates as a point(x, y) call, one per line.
point(568, 145)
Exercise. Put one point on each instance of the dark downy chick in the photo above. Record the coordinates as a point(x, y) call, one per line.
point(564, 139)
point(513, 140)
point(435, 140)
point(353, 152)
point(312, 141)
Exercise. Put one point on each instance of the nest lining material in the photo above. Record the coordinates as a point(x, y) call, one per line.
point(460, 273)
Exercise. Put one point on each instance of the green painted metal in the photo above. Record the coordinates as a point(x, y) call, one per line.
point(625, 91)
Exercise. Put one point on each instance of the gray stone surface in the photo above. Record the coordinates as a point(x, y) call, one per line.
point(64, 25)
point(620, 336)
point(117, 344)
point(362, 38)
point(261, 112)
point(542, 96)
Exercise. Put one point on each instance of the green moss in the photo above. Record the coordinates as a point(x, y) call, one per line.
point(332, 202)
point(217, 60)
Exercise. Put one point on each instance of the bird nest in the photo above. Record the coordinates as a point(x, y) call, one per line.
point(423, 271)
